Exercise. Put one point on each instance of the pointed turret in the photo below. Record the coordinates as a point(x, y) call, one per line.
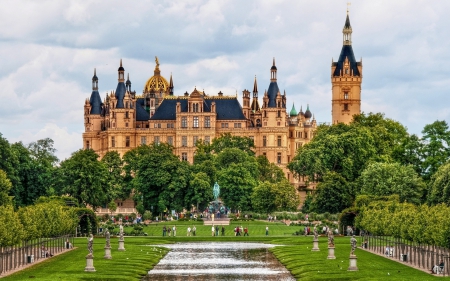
point(171, 85)
point(121, 89)
point(128, 83)
point(308, 113)
point(293, 111)
point(273, 87)
point(346, 53)
point(95, 101)
point(255, 103)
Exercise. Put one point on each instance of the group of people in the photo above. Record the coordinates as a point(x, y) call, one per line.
point(215, 230)
point(171, 231)
point(191, 231)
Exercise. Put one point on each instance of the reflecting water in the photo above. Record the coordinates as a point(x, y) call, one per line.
point(219, 261)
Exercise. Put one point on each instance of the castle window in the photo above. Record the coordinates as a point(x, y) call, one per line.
point(279, 104)
point(279, 113)
point(346, 106)
point(126, 105)
point(87, 145)
point(127, 141)
point(170, 140)
point(113, 142)
point(169, 125)
point(345, 95)
point(265, 113)
point(224, 125)
point(184, 141)
point(126, 125)
point(127, 114)
point(237, 125)
point(184, 122)
point(278, 124)
point(264, 141)
point(113, 115)
point(346, 71)
point(184, 156)
point(143, 140)
point(156, 140)
point(207, 122)
point(196, 121)
point(279, 157)
point(195, 107)
point(279, 140)
point(194, 140)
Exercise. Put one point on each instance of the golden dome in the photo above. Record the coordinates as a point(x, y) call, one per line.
point(156, 82)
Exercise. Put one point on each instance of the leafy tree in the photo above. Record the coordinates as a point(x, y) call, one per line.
point(5, 186)
point(8, 161)
point(333, 194)
point(383, 179)
point(199, 192)
point(269, 171)
point(229, 141)
point(263, 198)
point(436, 150)
point(112, 206)
point(286, 198)
point(307, 204)
point(159, 176)
point(114, 164)
point(11, 232)
point(439, 187)
point(85, 178)
point(410, 153)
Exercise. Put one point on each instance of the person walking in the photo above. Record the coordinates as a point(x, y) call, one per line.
point(174, 230)
point(189, 231)
point(217, 230)
point(223, 230)
point(194, 229)
point(267, 230)
point(164, 230)
point(246, 231)
point(212, 230)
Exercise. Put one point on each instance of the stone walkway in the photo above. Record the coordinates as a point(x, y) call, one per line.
point(32, 264)
point(404, 263)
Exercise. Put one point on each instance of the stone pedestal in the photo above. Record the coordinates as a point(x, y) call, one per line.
point(315, 245)
point(89, 263)
point(353, 266)
point(121, 245)
point(331, 255)
point(107, 253)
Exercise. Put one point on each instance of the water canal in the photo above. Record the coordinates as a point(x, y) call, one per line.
point(220, 262)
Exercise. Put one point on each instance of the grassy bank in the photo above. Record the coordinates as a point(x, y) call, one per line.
point(296, 255)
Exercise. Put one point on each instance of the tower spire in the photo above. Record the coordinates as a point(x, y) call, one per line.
point(255, 88)
point(171, 85)
point(273, 72)
point(95, 81)
point(347, 31)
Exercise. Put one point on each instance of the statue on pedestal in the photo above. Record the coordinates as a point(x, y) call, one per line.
point(108, 238)
point(353, 244)
point(316, 234)
point(330, 238)
point(90, 244)
point(216, 191)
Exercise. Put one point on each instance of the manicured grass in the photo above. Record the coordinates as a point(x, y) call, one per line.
point(132, 264)
point(296, 255)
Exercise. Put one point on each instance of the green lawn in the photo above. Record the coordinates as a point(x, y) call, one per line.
point(296, 255)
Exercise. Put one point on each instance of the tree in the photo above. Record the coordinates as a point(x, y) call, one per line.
point(286, 198)
point(436, 149)
point(263, 198)
point(5, 186)
point(384, 179)
point(112, 206)
point(439, 187)
point(11, 232)
point(160, 178)
point(333, 194)
point(226, 140)
point(269, 171)
point(85, 178)
point(199, 192)
point(114, 164)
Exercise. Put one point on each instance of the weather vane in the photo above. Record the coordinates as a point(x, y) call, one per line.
point(348, 4)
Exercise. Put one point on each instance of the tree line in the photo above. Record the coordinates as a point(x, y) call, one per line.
point(376, 156)
point(152, 175)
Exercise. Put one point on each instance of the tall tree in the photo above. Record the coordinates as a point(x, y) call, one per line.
point(383, 179)
point(269, 171)
point(114, 164)
point(333, 194)
point(227, 140)
point(436, 150)
point(439, 186)
point(5, 186)
point(85, 178)
point(199, 192)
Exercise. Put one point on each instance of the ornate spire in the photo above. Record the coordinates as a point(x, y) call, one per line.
point(347, 31)
point(121, 71)
point(95, 81)
point(255, 88)
point(273, 72)
point(293, 111)
point(171, 85)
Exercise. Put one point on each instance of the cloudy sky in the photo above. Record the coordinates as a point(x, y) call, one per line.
point(49, 49)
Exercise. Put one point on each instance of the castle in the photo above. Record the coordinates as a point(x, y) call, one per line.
point(124, 120)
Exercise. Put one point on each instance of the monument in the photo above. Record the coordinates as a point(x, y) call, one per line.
point(107, 246)
point(90, 257)
point(331, 255)
point(315, 240)
point(121, 239)
point(353, 257)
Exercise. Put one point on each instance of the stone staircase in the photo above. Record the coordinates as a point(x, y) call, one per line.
point(221, 221)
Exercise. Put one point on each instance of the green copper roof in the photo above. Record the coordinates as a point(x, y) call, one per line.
point(293, 111)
